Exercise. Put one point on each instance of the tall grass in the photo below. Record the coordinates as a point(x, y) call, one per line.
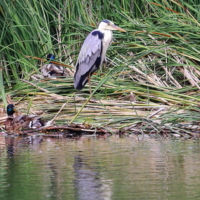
point(157, 59)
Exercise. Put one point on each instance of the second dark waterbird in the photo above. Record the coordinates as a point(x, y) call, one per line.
point(52, 70)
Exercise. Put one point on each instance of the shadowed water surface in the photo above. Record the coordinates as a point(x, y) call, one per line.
point(39, 168)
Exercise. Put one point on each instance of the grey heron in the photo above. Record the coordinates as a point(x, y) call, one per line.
point(93, 52)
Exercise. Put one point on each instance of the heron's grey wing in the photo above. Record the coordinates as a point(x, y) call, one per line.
point(89, 57)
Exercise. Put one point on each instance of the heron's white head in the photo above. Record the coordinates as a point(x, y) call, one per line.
point(108, 25)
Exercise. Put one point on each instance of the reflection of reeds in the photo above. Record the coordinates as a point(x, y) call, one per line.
point(155, 65)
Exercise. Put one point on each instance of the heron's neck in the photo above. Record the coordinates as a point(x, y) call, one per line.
point(107, 38)
point(107, 35)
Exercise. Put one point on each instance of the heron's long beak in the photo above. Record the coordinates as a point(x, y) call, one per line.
point(117, 28)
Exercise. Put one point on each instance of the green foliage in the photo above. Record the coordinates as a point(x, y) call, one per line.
point(157, 59)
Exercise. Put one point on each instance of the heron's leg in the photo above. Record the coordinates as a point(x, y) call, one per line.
point(89, 83)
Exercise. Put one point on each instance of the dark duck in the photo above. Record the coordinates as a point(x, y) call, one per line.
point(52, 70)
point(19, 122)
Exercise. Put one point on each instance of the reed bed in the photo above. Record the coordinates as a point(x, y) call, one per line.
point(150, 82)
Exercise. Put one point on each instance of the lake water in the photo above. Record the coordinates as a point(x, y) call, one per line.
point(92, 168)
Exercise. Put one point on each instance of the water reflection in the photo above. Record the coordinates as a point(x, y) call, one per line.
point(88, 182)
point(13, 144)
point(98, 168)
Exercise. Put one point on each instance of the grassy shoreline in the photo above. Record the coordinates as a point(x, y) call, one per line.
point(154, 65)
